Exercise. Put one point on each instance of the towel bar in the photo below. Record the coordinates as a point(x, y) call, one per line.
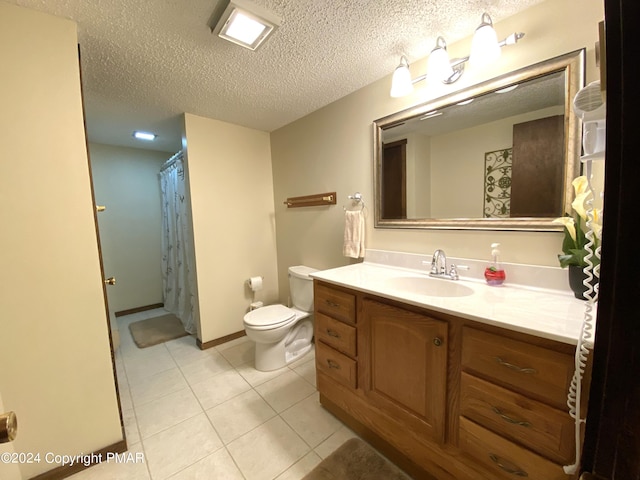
point(328, 198)
point(357, 200)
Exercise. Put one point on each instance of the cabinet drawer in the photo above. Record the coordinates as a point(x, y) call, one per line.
point(337, 334)
point(338, 366)
point(504, 458)
point(538, 372)
point(535, 425)
point(335, 303)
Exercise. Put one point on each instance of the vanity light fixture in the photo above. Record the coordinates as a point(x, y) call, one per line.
point(149, 137)
point(484, 49)
point(439, 64)
point(401, 82)
point(245, 24)
point(484, 46)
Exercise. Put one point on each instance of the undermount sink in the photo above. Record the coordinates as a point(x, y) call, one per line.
point(433, 287)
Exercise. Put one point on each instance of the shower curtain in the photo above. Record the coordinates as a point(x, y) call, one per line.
point(178, 273)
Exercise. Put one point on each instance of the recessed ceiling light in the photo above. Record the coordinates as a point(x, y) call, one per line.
point(246, 24)
point(144, 136)
point(507, 89)
point(431, 114)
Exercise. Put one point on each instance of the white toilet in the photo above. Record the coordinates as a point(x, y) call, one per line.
point(284, 334)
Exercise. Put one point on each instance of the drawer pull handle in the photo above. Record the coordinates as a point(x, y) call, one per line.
point(515, 367)
point(513, 471)
point(507, 418)
point(333, 333)
point(332, 304)
point(333, 364)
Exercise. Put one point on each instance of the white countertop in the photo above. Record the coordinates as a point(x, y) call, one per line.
point(552, 314)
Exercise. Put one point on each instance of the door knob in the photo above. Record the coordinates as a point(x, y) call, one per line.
point(8, 427)
point(110, 281)
point(100, 208)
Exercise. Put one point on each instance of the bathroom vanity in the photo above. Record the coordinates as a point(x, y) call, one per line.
point(464, 382)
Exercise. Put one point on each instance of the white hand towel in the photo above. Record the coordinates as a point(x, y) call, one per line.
point(353, 234)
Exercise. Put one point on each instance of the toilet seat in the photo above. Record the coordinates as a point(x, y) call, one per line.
point(271, 316)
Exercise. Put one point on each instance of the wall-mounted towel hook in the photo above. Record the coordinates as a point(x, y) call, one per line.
point(357, 200)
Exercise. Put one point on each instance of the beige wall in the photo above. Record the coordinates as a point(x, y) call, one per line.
point(229, 169)
point(331, 150)
point(56, 364)
point(460, 155)
point(125, 180)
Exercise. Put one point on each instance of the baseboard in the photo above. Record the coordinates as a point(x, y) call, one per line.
point(219, 341)
point(66, 471)
point(139, 309)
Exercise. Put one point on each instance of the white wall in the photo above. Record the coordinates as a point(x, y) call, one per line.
point(56, 362)
point(332, 150)
point(126, 181)
point(229, 171)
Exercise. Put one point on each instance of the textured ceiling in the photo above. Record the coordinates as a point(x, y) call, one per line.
point(530, 96)
point(145, 62)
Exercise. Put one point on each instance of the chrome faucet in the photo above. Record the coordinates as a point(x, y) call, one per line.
point(439, 263)
point(439, 266)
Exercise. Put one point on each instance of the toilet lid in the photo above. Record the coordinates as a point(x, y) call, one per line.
point(270, 315)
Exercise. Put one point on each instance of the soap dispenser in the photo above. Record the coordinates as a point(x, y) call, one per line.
point(494, 273)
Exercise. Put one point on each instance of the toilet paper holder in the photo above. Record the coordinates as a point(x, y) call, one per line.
point(255, 283)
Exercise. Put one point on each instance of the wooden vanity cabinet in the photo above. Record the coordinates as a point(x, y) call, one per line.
point(335, 334)
point(513, 414)
point(442, 396)
point(405, 354)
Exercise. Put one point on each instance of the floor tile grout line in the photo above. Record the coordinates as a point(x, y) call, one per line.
point(298, 363)
point(276, 414)
point(159, 396)
point(224, 445)
point(311, 447)
point(142, 439)
point(135, 416)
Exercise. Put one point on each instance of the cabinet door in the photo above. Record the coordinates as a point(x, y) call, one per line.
point(404, 366)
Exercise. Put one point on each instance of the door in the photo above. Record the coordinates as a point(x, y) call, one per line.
point(57, 371)
point(612, 438)
point(394, 180)
point(404, 357)
point(9, 470)
point(537, 173)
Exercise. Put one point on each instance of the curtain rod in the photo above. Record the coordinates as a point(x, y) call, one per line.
point(171, 161)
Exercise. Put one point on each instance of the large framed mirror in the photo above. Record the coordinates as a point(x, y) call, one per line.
point(500, 155)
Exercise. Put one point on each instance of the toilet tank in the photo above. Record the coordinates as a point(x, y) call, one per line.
point(301, 287)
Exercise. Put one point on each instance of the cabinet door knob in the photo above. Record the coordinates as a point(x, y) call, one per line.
point(8, 427)
point(437, 342)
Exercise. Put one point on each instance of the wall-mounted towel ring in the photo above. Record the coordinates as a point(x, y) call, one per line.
point(357, 200)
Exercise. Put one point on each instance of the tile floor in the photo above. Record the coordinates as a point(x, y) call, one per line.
point(208, 414)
